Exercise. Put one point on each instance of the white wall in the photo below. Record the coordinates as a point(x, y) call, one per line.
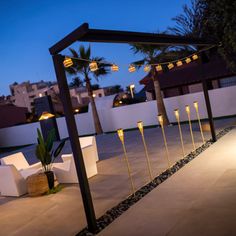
point(223, 102)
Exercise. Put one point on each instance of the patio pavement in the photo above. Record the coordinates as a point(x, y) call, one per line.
point(63, 214)
point(200, 199)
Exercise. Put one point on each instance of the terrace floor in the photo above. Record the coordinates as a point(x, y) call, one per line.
point(62, 213)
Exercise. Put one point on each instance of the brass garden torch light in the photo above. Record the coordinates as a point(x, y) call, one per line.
point(140, 126)
point(195, 104)
point(187, 109)
point(120, 133)
point(160, 119)
point(176, 111)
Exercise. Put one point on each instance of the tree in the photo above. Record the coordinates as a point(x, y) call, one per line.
point(76, 82)
point(81, 66)
point(213, 20)
point(151, 55)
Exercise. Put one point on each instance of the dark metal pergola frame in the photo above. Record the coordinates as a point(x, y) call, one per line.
point(85, 34)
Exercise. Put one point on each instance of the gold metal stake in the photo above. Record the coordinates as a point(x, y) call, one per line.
point(176, 111)
point(199, 120)
point(187, 108)
point(140, 126)
point(121, 136)
point(160, 119)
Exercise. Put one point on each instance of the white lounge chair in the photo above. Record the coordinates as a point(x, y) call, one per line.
point(19, 161)
point(66, 171)
point(11, 181)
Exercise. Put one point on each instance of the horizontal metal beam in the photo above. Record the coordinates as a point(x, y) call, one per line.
point(84, 34)
point(113, 36)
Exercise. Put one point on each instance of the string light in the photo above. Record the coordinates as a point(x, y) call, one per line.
point(146, 68)
point(93, 66)
point(67, 62)
point(170, 66)
point(179, 63)
point(132, 68)
point(114, 68)
point(158, 68)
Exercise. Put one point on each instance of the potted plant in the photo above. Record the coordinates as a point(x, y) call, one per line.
point(47, 155)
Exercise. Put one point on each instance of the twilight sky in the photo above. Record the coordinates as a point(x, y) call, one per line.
point(29, 27)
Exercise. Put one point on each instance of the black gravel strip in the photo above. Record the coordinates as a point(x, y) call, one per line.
point(123, 206)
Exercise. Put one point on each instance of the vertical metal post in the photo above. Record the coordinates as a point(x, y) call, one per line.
point(209, 111)
point(75, 144)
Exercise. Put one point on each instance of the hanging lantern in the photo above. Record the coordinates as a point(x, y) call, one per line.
point(132, 68)
point(93, 66)
point(67, 62)
point(147, 68)
point(195, 57)
point(114, 67)
point(170, 66)
point(179, 63)
point(188, 60)
point(158, 68)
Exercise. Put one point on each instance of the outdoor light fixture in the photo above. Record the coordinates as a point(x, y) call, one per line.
point(170, 66)
point(176, 111)
point(187, 109)
point(120, 133)
point(160, 119)
point(179, 63)
point(93, 66)
point(40, 95)
point(76, 110)
point(46, 115)
point(67, 62)
point(188, 60)
point(140, 126)
point(132, 68)
point(195, 104)
point(114, 67)
point(146, 68)
point(195, 57)
point(131, 87)
point(94, 95)
point(158, 68)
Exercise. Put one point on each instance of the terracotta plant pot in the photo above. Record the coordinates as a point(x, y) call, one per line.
point(50, 177)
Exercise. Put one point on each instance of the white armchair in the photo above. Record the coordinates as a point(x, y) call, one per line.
point(19, 161)
point(11, 181)
point(66, 171)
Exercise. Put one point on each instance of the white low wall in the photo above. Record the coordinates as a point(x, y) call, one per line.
point(223, 102)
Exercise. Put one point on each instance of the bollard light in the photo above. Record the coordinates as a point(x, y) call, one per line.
point(120, 133)
point(160, 120)
point(195, 104)
point(140, 126)
point(176, 111)
point(46, 115)
point(187, 109)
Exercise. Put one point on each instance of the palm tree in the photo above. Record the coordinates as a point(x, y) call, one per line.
point(81, 66)
point(152, 55)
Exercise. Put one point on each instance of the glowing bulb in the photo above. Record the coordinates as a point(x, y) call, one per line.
point(188, 60)
point(187, 108)
point(76, 110)
point(170, 66)
point(176, 113)
point(146, 68)
point(179, 63)
point(132, 68)
point(140, 126)
point(114, 67)
point(160, 119)
point(67, 62)
point(120, 133)
point(93, 66)
point(94, 95)
point(195, 104)
point(195, 57)
point(158, 68)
